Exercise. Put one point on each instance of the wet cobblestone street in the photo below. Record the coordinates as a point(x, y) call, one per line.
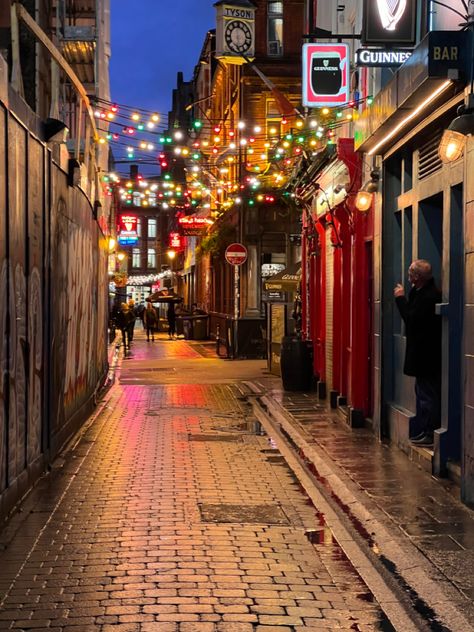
point(171, 514)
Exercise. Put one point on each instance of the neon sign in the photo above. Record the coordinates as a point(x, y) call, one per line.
point(191, 225)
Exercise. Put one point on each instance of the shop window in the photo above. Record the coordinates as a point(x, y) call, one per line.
point(275, 28)
point(137, 200)
point(151, 258)
point(152, 228)
point(136, 263)
point(139, 227)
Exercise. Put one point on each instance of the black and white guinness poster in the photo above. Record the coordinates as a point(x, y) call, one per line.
point(391, 22)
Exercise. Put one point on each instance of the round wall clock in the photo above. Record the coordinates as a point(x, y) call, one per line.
point(238, 36)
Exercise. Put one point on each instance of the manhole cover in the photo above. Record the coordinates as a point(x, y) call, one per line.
point(214, 437)
point(248, 514)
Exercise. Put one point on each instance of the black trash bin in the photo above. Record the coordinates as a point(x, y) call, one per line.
point(200, 327)
point(296, 363)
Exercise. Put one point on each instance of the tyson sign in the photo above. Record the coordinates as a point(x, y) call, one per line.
point(326, 76)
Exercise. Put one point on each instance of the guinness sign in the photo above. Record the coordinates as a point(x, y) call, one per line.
point(391, 22)
point(325, 74)
point(381, 57)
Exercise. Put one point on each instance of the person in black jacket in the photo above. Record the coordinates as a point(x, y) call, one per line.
point(423, 346)
point(123, 320)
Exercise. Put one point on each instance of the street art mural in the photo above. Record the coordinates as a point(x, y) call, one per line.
point(53, 312)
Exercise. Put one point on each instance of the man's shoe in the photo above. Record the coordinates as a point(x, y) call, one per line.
point(425, 441)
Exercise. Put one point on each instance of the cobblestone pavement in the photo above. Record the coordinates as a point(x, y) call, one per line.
point(171, 513)
point(425, 510)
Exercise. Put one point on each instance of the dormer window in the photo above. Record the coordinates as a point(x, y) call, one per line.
point(275, 28)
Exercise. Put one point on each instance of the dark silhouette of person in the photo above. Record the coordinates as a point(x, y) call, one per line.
point(423, 346)
point(123, 321)
point(150, 321)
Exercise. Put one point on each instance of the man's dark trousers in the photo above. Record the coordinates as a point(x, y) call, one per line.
point(428, 403)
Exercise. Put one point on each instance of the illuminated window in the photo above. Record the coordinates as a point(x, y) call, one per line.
point(139, 227)
point(152, 228)
point(151, 258)
point(137, 200)
point(136, 263)
point(275, 28)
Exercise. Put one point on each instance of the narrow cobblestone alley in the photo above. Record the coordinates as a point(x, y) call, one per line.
point(173, 512)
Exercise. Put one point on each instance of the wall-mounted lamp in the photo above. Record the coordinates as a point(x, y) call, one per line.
point(120, 256)
point(55, 131)
point(455, 136)
point(364, 197)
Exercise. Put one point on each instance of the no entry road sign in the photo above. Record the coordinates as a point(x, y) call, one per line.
point(236, 254)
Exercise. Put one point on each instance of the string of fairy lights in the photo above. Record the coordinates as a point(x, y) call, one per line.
point(213, 164)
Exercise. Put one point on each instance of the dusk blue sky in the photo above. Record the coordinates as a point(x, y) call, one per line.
point(151, 41)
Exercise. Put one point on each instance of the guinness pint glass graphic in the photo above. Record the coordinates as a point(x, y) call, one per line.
point(326, 73)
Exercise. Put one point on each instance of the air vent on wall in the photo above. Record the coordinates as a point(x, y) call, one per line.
point(428, 160)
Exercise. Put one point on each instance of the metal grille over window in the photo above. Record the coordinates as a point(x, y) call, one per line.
point(428, 160)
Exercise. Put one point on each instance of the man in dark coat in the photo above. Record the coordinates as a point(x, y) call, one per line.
point(423, 346)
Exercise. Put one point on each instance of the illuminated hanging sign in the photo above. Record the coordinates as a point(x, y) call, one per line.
point(128, 223)
point(176, 242)
point(128, 235)
point(391, 22)
point(381, 57)
point(326, 78)
point(196, 226)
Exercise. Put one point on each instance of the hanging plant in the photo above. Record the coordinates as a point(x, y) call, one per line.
point(216, 242)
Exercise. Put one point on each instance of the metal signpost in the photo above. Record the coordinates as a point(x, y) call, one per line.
point(236, 255)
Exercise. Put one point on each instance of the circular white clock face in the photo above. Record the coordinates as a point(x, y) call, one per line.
point(238, 36)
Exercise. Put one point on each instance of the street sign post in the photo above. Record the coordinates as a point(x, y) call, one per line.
point(236, 255)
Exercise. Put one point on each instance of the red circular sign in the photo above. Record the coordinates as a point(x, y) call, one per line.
point(236, 254)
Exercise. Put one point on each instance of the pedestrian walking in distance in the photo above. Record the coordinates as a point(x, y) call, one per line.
point(123, 321)
point(171, 316)
point(131, 307)
point(150, 321)
point(423, 346)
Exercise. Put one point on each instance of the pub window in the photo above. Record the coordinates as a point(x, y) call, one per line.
point(136, 258)
point(152, 228)
point(151, 259)
point(275, 28)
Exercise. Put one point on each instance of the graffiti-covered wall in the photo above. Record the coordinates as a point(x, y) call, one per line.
point(53, 319)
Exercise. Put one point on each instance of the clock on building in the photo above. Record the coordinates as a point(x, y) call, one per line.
point(235, 31)
point(238, 36)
